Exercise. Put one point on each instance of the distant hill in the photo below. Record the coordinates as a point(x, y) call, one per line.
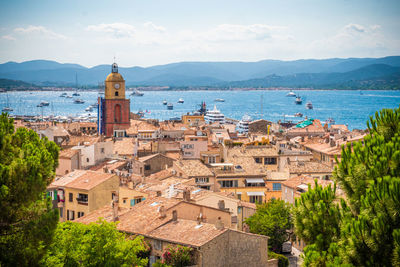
point(314, 72)
point(12, 84)
point(376, 76)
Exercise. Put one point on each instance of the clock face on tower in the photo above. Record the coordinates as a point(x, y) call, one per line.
point(116, 86)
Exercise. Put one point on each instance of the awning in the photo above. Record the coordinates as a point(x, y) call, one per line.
point(254, 180)
point(255, 193)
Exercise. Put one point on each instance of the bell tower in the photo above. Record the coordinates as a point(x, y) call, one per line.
point(114, 109)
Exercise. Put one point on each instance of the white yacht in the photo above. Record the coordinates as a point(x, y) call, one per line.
point(170, 106)
point(214, 116)
point(181, 100)
point(291, 93)
point(309, 105)
point(298, 100)
point(136, 92)
point(243, 125)
point(219, 100)
point(79, 101)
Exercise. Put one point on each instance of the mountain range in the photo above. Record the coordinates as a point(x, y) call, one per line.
point(351, 73)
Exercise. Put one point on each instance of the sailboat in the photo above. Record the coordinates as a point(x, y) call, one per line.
point(7, 108)
point(76, 85)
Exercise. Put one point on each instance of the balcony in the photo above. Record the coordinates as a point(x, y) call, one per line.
point(82, 199)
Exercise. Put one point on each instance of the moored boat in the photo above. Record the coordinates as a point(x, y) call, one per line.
point(79, 101)
point(309, 105)
point(170, 106)
point(219, 100)
point(291, 93)
point(298, 100)
point(181, 101)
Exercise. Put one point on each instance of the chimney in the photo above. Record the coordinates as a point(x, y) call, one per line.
point(219, 224)
point(114, 206)
point(186, 194)
point(158, 193)
point(174, 215)
point(162, 212)
point(221, 205)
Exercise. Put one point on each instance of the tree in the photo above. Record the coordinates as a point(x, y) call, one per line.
point(367, 223)
point(95, 244)
point(317, 216)
point(369, 173)
point(27, 220)
point(272, 219)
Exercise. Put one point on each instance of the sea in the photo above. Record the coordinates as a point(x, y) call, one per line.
point(350, 107)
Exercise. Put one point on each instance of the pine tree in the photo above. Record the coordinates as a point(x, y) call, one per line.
point(27, 220)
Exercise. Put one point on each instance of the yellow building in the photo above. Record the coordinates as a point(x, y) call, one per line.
point(81, 192)
point(130, 197)
point(192, 120)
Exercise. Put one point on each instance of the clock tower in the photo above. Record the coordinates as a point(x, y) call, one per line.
point(114, 109)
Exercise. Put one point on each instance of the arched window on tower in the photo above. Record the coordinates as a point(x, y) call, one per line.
point(116, 93)
point(117, 113)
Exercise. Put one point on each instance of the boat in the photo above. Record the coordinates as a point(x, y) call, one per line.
point(137, 93)
point(68, 96)
point(44, 103)
point(214, 116)
point(164, 102)
point(219, 100)
point(170, 106)
point(140, 113)
point(94, 105)
point(291, 93)
point(298, 114)
point(298, 100)
point(7, 109)
point(79, 101)
point(75, 94)
point(63, 95)
point(243, 125)
point(181, 100)
point(89, 108)
point(309, 105)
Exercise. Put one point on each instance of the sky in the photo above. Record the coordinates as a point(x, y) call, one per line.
point(155, 32)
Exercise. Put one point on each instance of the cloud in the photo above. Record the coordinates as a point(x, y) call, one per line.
point(31, 29)
point(354, 28)
point(152, 27)
point(118, 30)
point(8, 37)
point(235, 32)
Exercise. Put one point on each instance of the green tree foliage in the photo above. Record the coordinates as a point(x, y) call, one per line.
point(27, 221)
point(317, 217)
point(282, 260)
point(272, 219)
point(367, 224)
point(95, 244)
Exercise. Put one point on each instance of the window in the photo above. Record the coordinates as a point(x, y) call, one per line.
point(66, 171)
point(202, 180)
point(239, 196)
point(61, 212)
point(269, 161)
point(258, 160)
point(147, 167)
point(80, 214)
point(276, 187)
point(82, 198)
point(71, 197)
point(124, 200)
point(255, 199)
point(70, 215)
point(102, 150)
point(51, 195)
point(157, 244)
point(87, 159)
point(116, 93)
point(211, 159)
point(229, 183)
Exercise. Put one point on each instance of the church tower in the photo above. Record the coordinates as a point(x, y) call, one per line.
point(114, 109)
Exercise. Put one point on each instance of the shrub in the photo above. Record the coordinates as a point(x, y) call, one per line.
point(282, 260)
point(178, 256)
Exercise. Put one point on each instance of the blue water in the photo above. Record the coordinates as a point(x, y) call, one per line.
point(346, 107)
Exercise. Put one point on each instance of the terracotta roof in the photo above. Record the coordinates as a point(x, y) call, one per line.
point(325, 148)
point(248, 205)
point(68, 153)
point(187, 232)
point(193, 168)
point(82, 140)
point(161, 174)
point(315, 127)
point(139, 125)
point(82, 179)
point(109, 164)
point(57, 131)
point(154, 185)
point(301, 167)
point(305, 180)
point(341, 127)
point(124, 146)
point(106, 213)
point(146, 158)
